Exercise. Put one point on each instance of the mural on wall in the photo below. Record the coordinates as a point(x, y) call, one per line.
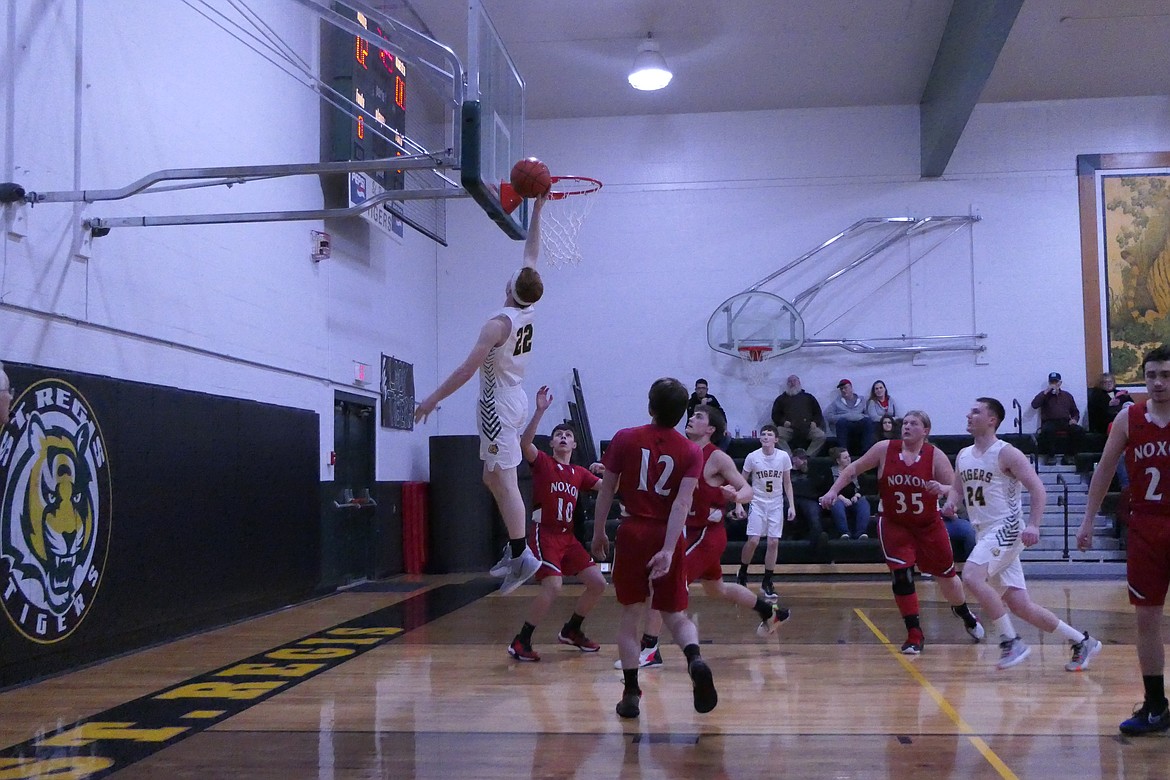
point(55, 512)
point(397, 394)
point(1123, 209)
point(1134, 234)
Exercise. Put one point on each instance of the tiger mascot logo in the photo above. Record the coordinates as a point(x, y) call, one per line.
point(55, 521)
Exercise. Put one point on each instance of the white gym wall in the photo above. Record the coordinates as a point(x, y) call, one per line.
point(695, 208)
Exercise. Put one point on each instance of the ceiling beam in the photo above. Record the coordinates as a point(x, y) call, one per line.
point(970, 45)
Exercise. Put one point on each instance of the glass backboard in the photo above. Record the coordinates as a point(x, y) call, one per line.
point(493, 120)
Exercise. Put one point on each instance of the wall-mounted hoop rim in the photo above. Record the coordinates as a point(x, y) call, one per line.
point(755, 354)
point(564, 186)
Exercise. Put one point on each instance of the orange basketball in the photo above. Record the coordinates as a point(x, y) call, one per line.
point(530, 178)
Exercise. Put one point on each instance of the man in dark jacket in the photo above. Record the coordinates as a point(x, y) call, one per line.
point(1059, 416)
point(798, 419)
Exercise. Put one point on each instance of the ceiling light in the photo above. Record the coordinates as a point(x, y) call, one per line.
point(650, 71)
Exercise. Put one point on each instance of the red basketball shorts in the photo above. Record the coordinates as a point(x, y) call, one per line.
point(704, 551)
point(926, 546)
point(560, 554)
point(1147, 564)
point(637, 542)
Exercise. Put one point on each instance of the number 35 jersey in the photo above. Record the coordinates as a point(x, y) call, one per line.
point(904, 496)
point(1147, 461)
point(991, 495)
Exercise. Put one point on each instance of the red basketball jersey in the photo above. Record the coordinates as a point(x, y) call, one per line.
point(1147, 461)
point(556, 487)
point(905, 499)
point(650, 462)
point(707, 497)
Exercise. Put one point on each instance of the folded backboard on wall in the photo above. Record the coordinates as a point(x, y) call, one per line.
point(397, 394)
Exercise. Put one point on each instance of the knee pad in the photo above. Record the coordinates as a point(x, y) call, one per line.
point(903, 582)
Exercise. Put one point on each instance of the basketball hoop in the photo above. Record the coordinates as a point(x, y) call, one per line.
point(562, 217)
point(757, 370)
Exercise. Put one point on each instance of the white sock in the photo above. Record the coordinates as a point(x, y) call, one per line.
point(1073, 635)
point(1003, 625)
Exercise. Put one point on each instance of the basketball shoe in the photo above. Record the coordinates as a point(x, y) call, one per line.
point(521, 651)
point(520, 571)
point(768, 591)
point(704, 685)
point(504, 564)
point(914, 642)
point(769, 626)
point(577, 639)
point(648, 656)
point(1146, 720)
point(1012, 652)
point(628, 706)
point(1083, 652)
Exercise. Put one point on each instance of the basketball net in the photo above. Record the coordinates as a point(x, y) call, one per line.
point(757, 368)
point(562, 217)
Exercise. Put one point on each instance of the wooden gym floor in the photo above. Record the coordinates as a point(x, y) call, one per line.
point(410, 679)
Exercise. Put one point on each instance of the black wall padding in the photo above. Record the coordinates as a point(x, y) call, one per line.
point(213, 517)
point(463, 513)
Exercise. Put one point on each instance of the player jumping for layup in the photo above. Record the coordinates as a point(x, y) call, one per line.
point(501, 356)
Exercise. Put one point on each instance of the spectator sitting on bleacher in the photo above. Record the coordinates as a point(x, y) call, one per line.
point(1058, 421)
point(807, 488)
point(1105, 401)
point(961, 533)
point(847, 414)
point(879, 404)
point(887, 428)
point(701, 396)
point(850, 503)
point(798, 419)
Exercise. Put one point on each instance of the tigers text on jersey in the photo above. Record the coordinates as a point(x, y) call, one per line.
point(905, 498)
point(504, 365)
point(1147, 461)
point(557, 486)
point(991, 495)
point(650, 462)
point(767, 474)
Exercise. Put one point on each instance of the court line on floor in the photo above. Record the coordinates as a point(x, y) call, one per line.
point(964, 727)
point(127, 733)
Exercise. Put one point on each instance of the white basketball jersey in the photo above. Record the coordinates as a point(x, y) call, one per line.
point(504, 365)
point(991, 495)
point(767, 473)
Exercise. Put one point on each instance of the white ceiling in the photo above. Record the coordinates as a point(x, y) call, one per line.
point(736, 55)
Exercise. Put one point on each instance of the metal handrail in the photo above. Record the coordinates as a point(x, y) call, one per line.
point(1063, 501)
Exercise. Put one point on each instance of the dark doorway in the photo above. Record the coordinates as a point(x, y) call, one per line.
point(354, 423)
point(348, 523)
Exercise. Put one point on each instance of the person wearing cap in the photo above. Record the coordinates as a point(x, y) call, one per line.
point(1059, 416)
point(854, 430)
point(501, 355)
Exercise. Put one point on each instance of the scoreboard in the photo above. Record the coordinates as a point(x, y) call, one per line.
point(374, 79)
